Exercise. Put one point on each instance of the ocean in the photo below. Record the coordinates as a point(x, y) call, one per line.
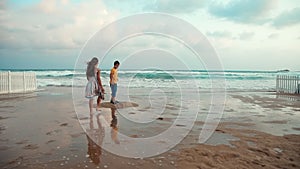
point(235, 80)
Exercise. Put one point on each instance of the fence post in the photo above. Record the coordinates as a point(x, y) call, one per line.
point(294, 83)
point(34, 81)
point(281, 83)
point(277, 84)
point(9, 81)
point(298, 85)
point(287, 84)
point(284, 82)
point(24, 82)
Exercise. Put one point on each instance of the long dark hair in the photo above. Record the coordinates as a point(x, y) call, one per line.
point(90, 71)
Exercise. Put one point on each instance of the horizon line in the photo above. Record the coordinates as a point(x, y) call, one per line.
point(225, 70)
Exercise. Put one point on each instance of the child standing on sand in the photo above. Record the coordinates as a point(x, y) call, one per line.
point(113, 82)
point(93, 87)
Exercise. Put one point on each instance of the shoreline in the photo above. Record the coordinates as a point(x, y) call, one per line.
point(256, 130)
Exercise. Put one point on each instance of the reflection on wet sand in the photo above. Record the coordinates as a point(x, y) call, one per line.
point(95, 136)
point(291, 97)
point(114, 127)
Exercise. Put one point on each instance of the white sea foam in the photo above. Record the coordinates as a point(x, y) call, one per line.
point(235, 80)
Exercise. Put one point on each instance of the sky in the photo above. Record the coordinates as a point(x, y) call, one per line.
point(245, 34)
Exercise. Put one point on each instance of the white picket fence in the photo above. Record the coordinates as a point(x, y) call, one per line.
point(287, 84)
point(17, 82)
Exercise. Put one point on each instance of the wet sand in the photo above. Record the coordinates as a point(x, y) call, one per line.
point(42, 130)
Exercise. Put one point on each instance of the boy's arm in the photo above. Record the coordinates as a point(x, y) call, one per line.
point(111, 75)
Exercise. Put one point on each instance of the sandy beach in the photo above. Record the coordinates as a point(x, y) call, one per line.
point(186, 84)
point(42, 130)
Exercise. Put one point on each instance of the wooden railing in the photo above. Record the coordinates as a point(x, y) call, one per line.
point(17, 82)
point(288, 84)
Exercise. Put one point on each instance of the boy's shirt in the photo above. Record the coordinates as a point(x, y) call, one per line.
point(114, 73)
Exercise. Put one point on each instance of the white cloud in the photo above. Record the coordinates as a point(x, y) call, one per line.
point(219, 34)
point(287, 18)
point(65, 2)
point(175, 6)
point(273, 36)
point(48, 6)
point(238, 29)
point(246, 35)
point(243, 11)
point(53, 24)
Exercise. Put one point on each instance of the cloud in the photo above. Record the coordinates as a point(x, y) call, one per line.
point(52, 24)
point(287, 18)
point(2, 5)
point(127, 6)
point(48, 6)
point(230, 36)
point(219, 34)
point(273, 36)
point(246, 35)
point(220, 39)
point(175, 6)
point(165, 6)
point(242, 11)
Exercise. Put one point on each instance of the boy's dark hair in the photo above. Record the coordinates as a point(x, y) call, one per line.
point(116, 62)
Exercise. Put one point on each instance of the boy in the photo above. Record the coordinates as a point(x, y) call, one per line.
point(113, 82)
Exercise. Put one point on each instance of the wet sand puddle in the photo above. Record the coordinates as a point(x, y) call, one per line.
point(44, 132)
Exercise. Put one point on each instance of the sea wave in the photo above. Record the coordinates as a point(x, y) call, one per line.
point(164, 78)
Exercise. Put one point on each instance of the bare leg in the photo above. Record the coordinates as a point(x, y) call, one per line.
point(91, 106)
point(98, 103)
point(113, 99)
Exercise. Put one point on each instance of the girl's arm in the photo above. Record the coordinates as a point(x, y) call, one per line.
point(99, 80)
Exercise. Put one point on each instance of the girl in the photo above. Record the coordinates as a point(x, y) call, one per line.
point(93, 87)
